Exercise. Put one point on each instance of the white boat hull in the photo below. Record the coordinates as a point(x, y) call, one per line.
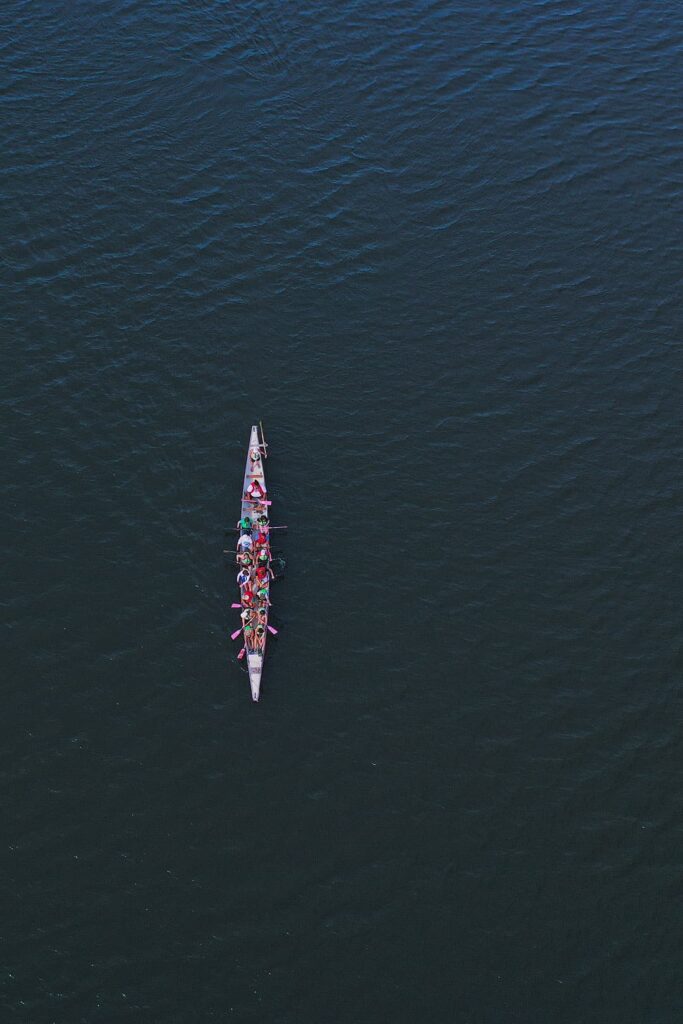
point(255, 666)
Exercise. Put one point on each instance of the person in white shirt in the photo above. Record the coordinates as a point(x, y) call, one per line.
point(245, 543)
point(254, 491)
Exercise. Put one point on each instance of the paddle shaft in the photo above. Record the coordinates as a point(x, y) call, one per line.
point(236, 529)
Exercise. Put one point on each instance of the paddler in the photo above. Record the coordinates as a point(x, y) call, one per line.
point(254, 491)
point(262, 594)
point(246, 560)
point(261, 573)
point(244, 543)
point(248, 635)
point(245, 525)
point(262, 522)
point(262, 558)
point(247, 596)
point(243, 577)
point(255, 455)
point(260, 632)
point(246, 615)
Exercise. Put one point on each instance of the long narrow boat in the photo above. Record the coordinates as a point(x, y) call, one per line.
point(254, 472)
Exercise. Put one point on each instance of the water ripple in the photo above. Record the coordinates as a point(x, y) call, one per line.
point(436, 248)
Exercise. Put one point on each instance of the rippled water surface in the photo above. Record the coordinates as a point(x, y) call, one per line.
point(436, 246)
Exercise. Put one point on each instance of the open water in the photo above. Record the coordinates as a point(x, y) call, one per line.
point(436, 246)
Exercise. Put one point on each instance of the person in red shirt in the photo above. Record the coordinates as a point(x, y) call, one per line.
point(254, 491)
point(247, 596)
point(264, 574)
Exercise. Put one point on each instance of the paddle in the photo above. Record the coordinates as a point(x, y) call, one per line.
point(273, 630)
point(233, 636)
point(236, 529)
point(241, 654)
point(263, 440)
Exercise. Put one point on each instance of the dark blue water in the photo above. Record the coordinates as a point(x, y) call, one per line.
point(436, 246)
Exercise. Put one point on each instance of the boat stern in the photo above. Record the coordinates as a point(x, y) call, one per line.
point(255, 666)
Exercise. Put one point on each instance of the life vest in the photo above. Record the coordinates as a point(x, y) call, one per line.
point(255, 491)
